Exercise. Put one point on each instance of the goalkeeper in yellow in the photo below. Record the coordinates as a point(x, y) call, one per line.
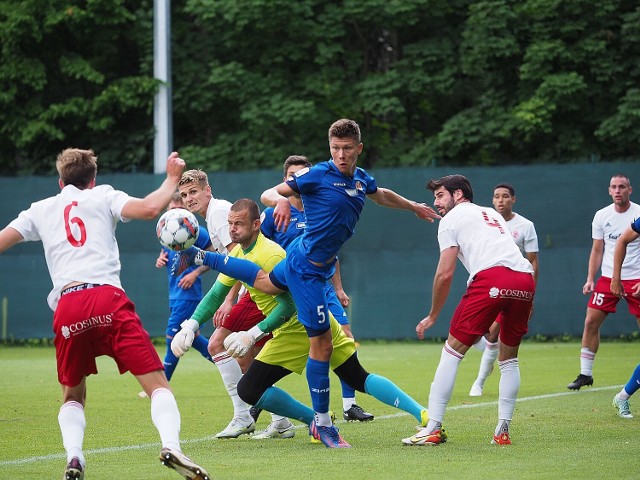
point(288, 350)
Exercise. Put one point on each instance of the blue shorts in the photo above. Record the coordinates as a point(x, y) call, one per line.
point(335, 306)
point(180, 310)
point(307, 283)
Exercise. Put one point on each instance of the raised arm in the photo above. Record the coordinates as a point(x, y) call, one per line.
point(389, 198)
point(278, 197)
point(156, 202)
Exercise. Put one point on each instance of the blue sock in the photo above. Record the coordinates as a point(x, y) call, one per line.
point(634, 382)
point(170, 361)
point(318, 379)
point(388, 392)
point(281, 403)
point(238, 268)
point(201, 344)
point(347, 390)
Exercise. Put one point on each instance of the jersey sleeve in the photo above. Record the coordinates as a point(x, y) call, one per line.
point(597, 232)
point(531, 239)
point(267, 225)
point(635, 226)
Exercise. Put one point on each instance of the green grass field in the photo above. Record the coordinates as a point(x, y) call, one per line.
point(555, 433)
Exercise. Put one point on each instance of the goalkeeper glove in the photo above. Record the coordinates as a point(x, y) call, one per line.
point(183, 340)
point(239, 343)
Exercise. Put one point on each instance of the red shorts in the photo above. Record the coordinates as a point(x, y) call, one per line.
point(602, 299)
point(497, 291)
point(244, 315)
point(100, 321)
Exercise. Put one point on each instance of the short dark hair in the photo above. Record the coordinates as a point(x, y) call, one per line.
point(451, 183)
point(344, 128)
point(247, 204)
point(508, 186)
point(295, 160)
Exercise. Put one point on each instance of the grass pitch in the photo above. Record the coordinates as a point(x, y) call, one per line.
point(556, 433)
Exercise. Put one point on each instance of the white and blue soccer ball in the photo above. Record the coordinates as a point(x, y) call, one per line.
point(177, 229)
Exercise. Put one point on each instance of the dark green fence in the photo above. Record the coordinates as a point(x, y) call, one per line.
point(387, 267)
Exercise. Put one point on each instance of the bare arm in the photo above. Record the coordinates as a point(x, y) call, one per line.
point(389, 198)
point(533, 259)
point(337, 286)
point(595, 260)
point(156, 202)
point(619, 254)
point(278, 197)
point(9, 237)
point(441, 286)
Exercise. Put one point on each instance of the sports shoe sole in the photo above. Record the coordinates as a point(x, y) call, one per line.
point(192, 471)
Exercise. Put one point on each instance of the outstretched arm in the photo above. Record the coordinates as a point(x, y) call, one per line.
point(9, 237)
point(155, 203)
point(389, 198)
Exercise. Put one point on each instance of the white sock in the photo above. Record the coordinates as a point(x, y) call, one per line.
point(442, 386)
point(347, 403)
point(508, 390)
point(481, 343)
point(231, 374)
point(489, 356)
point(586, 361)
point(166, 417)
point(72, 425)
point(623, 395)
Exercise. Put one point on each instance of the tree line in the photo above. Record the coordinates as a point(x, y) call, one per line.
point(431, 82)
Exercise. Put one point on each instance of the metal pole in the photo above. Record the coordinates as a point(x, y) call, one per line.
point(162, 109)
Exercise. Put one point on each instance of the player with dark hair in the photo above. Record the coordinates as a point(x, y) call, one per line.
point(92, 314)
point(607, 225)
point(333, 193)
point(524, 234)
point(288, 350)
point(500, 283)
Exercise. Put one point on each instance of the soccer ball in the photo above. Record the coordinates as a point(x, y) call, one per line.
point(177, 229)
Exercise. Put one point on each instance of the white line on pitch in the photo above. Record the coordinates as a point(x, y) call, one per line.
point(143, 446)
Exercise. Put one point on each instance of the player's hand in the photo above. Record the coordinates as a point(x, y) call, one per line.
point(343, 297)
point(175, 166)
point(424, 324)
point(282, 214)
point(616, 288)
point(223, 311)
point(183, 340)
point(162, 259)
point(425, 212)
point(184, 259)
point(188, 280)
point(588, 287)
point(239, 343)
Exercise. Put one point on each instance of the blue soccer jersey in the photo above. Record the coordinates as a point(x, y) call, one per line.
point(332, 205)
point(296, 226)
point(195, 292)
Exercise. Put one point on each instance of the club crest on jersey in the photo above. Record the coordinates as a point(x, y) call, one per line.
point(353, 192)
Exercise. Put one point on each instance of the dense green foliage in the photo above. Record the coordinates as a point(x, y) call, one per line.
point(430, 81)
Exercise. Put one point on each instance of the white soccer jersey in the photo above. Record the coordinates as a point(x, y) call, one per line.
point(524, 234)
point(77, 230)
point(483, 238)
point(608, 225)
point(218, 224)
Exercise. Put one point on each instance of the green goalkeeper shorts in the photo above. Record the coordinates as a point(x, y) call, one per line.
point(289, 347)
